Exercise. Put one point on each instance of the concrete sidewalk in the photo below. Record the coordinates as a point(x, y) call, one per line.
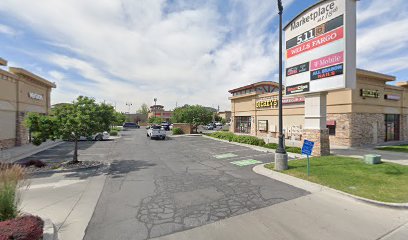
point(16, 153)
point(68, 199)
point(387, 156)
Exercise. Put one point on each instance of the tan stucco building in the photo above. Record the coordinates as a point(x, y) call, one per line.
point(20, 92)
point(372, 113)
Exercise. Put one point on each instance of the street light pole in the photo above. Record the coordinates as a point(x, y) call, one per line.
point(281, 157)
point(129, 104)
point(154, 107)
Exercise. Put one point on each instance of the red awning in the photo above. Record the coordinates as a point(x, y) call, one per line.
point(331, 123)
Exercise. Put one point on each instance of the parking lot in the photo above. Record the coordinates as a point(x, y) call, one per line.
point(155, 187)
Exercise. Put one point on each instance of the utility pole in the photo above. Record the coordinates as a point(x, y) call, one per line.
point(281, 157)
point(129, 104)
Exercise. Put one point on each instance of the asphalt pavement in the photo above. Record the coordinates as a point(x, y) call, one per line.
point(154, 188)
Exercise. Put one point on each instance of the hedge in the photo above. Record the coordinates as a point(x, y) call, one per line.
point(113, 133)
point(177, 131)
point(250, 140)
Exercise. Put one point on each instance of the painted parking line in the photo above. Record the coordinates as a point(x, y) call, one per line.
point(246, 162)
point(225, 155)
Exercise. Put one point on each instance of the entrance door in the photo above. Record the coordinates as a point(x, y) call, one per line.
point(392, 127)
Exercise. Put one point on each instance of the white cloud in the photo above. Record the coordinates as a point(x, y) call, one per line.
point(381, 35)
point(7, 30)
point(187, 52)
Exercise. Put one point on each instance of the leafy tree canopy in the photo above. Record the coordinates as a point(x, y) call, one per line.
point(195, 115)
point(84, 117)
point(155, 120)
point(144, 109)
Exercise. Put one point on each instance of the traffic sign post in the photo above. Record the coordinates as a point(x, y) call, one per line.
point(307, 149)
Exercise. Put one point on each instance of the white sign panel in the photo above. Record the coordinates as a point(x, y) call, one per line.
point(321, 48)
point(35, 96)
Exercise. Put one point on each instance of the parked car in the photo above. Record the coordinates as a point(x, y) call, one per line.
point(96, 137)
point(166, 126)
point(156, 131)
point(171, 126)
point(218, 124)
point(209, 126)
point(130, 125)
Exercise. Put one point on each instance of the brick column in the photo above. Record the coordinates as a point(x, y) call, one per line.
point(321, 139)
point(21, 130)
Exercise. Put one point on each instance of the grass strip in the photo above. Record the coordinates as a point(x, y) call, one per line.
point(386, 182)
point(400, 148)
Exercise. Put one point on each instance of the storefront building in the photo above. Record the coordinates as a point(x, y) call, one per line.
point(372, 113)
point(20, 92)
point(158, 111)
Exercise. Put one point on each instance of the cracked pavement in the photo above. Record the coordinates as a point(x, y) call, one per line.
point(155, 188)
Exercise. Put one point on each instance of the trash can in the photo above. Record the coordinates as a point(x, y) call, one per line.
point(372, 159)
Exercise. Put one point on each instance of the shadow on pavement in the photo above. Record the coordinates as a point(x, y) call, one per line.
point(123, 167)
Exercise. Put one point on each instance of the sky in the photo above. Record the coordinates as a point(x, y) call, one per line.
point(178, 51)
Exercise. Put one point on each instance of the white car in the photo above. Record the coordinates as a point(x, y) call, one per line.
point(97, 137)
point(156, 132)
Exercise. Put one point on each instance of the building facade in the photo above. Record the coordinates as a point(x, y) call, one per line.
point(20, 92)
point(158, 111)
point(225, 115)
point(372, 113)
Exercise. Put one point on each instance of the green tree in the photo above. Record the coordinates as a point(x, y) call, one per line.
point(84, 117)
point(155, 120)
point(120, 118)
point(144, 109)
point(195, 115)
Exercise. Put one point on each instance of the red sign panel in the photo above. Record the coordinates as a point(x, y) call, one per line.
point(316, 42)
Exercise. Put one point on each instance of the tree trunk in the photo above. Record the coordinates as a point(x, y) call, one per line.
point(75, 159)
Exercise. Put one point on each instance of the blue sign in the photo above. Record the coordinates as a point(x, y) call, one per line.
point(307, 147)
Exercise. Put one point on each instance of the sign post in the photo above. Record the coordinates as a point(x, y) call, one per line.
point(321, 57)
point(307, 149)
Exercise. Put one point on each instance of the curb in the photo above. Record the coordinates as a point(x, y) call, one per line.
point(49, 230)
point(68, 170)
point(314, 187)
point(257, 148)
point(17, 157)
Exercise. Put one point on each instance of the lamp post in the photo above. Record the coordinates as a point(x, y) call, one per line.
point(281, 157)
point(154, 107)
point(129, 104)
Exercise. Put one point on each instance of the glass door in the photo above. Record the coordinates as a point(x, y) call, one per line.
point(392, 127)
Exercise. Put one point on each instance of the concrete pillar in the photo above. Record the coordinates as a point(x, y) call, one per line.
point(315, 123)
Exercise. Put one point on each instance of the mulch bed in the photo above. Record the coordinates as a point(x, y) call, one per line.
point(22, 228)
point(38, 168)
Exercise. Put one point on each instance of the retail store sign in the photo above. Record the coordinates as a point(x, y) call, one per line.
point(35, 96)
point(321, 48)
point(293, 100)
point(392, 97)
point(369, 93)
point(267, 103)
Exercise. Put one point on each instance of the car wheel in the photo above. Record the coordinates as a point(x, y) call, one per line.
point(98, 138)
point(147, 135)
point(163, 137)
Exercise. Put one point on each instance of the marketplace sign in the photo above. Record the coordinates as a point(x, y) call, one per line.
point(321, 48)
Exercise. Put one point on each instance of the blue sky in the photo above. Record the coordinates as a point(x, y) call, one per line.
point(184, 51)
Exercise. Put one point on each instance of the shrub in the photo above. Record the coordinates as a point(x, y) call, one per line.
point(10, 175)
point(271, 145)
point(223, 135)
point(294, 149)
point(116, 129)
point(177, 131)
point(35, 163)
point(114, 132)
point(22, 228)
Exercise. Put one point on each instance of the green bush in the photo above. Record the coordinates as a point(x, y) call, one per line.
point(114, 132)
point(177, 131)
point(271, 145)
point(116, 129)
point(223, 135)
point(294, 150)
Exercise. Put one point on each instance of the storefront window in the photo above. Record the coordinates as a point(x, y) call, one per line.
point(243, 124)
point(392, 127)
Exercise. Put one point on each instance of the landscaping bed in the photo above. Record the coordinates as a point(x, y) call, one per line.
point(251, 140)
point(385, 182)
point(36, 166)
point(398, 148)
